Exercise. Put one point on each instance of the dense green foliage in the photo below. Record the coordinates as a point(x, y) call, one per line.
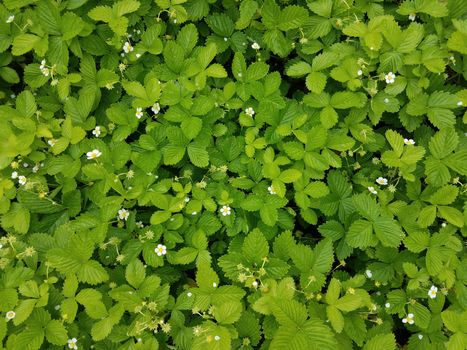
point(202, 174)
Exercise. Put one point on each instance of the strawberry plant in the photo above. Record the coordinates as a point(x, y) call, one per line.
point(254, 174)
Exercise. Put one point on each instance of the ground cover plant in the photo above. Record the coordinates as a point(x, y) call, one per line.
point(202, 174)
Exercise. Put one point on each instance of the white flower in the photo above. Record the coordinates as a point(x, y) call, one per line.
point(250, 111)
point(14, 175)
point(138, 55)
point(408, 319)
point(390, 78)
point(123, 214)
point(52, 142)
point(156, 108)
point(459, 103)
point(187, 199)
point(57, 307)
point(368, 273)
point(127, 48)
point(139, 224)
point(225, 210)
point(95, 153)
point(139, 112)
point(35, 168)
point(412, 17)
point(72, 343)
point(22, 180)
point(225, 39)
point(387, 305)
point(97, 131)
point(432, 292)
point(372, 190)
point(217, 338)
point(271, 190)
point(360, 72)
point(160, 250)
point(386, 100)
point(443, 224)
point(255, 46)
point(189, 294)
point(194, 213)
point(43, 63)
point(409, 142)
point(214, 284)
point(45, 71)
point(25, 165)
point(10, 19)
point(254, 284)
point(382, 181)
point(420, 336)
point(10, 315)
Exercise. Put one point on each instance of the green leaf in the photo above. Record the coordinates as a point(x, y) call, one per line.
point(101, 13)
point(92, 272)
point(348, 302)
point(323, 256)
point(422, 315)
point(228, 313)
point(289, 312)
point(125, 7)
point(290, 175)
point(191, 127)
point(255, 247)
point(298, 69)
point(396, 141)
point(206, 277)
point(381, 342)
point(91, 299)
point(346, 99)
point(186, 255)
point(269, 214)
point(388, 231)
point(444, 196)
point(24, 43)
point(247, 10)
point(24, 310)
point(316, 82)
point(256, 71)
point(31, 338)
point(328, 117)
point(56, 333)
point(198, 155)
point(452, 215)
point(360, 234)
point(135, 273)
point(159, 217)
point(292, 17)
point(336, 318)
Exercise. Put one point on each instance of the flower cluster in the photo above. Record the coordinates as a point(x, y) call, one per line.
point(225, 210)
point(127, 47)
point(160, 250)
point(44, 69)
point(95, 153)
point(250, 111)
